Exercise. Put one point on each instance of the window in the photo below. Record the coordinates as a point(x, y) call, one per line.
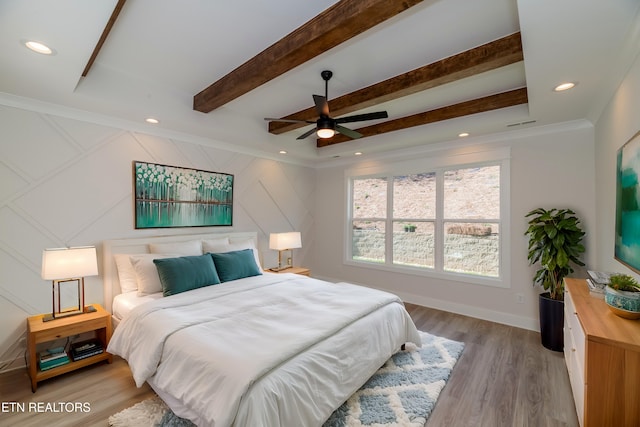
point(446, 221)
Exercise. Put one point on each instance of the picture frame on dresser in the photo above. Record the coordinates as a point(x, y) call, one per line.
point(172, 196)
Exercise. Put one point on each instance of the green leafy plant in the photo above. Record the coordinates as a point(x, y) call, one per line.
point(555, 240)
point(623, 282)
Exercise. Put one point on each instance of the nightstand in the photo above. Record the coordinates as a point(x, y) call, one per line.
point(40, 332)
point(295, 270)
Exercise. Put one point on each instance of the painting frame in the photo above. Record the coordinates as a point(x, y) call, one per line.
point(627, 231)
point(166, 196)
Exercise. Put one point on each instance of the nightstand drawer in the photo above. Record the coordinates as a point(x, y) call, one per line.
point(68, 330)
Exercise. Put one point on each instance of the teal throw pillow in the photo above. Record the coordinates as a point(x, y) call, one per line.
point(235, 265)
point(186, 273)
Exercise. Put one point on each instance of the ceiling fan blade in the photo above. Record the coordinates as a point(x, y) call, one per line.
point(348, 132)
point(362, 117)
point(322, 106)
point(272, 119)
point(306, 134)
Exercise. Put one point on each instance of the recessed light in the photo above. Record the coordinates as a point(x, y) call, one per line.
point(282, 152)
point(152, 120)
point(38, 47)
point(564, 86)
point(463, 134)
point(357, 153)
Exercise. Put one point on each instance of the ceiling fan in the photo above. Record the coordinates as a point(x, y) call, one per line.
point(326, 126)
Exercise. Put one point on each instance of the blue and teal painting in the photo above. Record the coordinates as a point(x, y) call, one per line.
point(168, 196)
point(627, 245)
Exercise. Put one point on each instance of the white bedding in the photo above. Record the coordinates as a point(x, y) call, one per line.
point(124, 303)
point(270, 350)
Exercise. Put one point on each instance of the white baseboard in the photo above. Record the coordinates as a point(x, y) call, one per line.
point(463, 309)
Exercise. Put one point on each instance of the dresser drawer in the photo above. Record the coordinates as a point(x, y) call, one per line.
point(576, 378)
point(577, 337)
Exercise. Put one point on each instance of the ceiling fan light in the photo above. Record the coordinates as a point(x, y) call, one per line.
point(326, 127)
point(325, 133)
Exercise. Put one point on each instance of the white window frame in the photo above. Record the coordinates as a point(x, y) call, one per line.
point(497, 157)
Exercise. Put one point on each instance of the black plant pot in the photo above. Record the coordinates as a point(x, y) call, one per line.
point(551, 322)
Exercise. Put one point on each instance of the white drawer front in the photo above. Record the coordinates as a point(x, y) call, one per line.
point(577, 334)
point(574, 353)
point(577, 387)
point(578, 341)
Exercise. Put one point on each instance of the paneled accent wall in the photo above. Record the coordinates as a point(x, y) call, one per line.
point(66, 182)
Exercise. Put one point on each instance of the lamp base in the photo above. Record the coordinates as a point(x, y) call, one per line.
point(284, 267)
point(52, 316)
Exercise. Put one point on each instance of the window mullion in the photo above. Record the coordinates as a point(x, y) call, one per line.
point(439, 223)
point(388, 241)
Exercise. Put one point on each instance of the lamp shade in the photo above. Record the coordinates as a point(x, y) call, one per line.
point(284, 241)
point(66, 263)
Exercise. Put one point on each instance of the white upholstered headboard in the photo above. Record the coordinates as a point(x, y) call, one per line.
point(140, 246)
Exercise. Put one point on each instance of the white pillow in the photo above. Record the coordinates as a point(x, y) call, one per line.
point(212, 245)
point(215, 246)
point(147, 273)
point(220, 246)
point(126, 273)
point(240, 244)
point(190, 247)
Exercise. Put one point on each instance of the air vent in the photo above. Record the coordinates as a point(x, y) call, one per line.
point(521, 123)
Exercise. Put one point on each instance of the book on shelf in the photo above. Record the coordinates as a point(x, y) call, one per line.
point(84, 355)
point(47, 356)
point(82, 350)
point(53, 363)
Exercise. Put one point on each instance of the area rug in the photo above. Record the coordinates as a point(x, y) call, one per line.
point(402, 393)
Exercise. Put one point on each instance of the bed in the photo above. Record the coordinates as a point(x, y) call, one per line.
point(256, 349)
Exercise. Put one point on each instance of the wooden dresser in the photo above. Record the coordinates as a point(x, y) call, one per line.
point(602, 352)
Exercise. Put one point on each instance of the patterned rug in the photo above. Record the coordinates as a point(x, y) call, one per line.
point(402, 393)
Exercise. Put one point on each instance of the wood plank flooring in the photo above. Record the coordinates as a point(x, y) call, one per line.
point(503, 378)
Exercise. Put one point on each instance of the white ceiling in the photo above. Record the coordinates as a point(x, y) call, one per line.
point(160, 53)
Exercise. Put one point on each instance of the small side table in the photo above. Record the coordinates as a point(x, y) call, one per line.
point(295, 270)
point(39, 332)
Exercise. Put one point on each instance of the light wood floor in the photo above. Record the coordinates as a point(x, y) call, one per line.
point(503, 378)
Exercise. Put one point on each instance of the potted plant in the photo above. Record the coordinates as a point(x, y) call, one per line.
point(622, 295)
point(555, 240)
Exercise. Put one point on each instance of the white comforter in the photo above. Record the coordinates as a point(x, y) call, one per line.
point(270, 350)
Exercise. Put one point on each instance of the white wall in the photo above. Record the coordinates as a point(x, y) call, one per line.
point(66, 182)
point(550, 167)
point(617, 124)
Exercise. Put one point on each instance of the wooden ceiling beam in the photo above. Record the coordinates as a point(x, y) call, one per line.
point(474, 106)
point(335, 25)
point(496, 54)
point(105, 33)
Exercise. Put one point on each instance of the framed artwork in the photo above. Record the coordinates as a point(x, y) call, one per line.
point(627, 243)
point(171, 196)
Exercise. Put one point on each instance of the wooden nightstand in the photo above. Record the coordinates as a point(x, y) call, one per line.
point(39, 332)
point(295, 270)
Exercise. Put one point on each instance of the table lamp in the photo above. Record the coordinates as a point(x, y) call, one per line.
point(284, 242)
point(67, 265)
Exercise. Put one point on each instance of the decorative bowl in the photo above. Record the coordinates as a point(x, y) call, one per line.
point(623, 303)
